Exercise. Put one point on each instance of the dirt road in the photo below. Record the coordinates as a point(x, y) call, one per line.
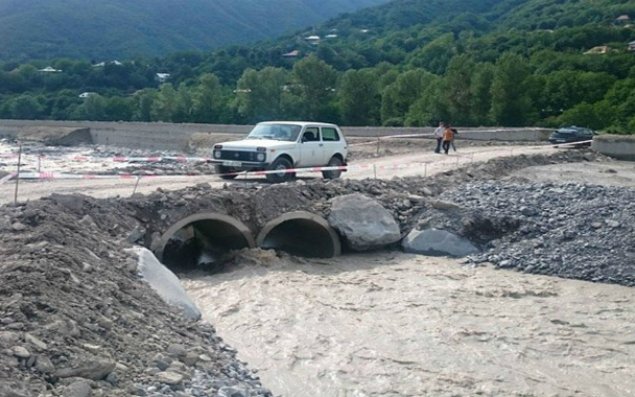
point(384, 167)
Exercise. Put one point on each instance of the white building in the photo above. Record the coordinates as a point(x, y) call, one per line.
point(49, 69)
point(162, 77)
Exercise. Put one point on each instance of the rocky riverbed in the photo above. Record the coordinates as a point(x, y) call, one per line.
point(567, 230)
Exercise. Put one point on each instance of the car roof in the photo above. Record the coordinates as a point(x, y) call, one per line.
point(302, 123)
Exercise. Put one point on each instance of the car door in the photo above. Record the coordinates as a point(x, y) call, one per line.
point(332, 143)
point(311, 147)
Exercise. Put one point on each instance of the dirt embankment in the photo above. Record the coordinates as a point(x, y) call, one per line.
point(75, 315)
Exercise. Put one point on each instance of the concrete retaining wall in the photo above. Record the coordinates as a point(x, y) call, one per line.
point(169, 136)
point(621, 147)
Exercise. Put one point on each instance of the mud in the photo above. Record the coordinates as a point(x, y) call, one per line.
point(392, 324)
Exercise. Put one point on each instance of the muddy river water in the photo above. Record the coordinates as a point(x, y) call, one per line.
point(394, 324)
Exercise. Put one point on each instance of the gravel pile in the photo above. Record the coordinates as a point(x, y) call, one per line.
point(576, 231)
point(76, 321)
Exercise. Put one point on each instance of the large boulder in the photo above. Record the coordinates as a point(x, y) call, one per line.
point(362, 222)
point(435, 242)
point(165, 283)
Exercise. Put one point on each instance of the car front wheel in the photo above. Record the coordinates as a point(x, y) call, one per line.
point(333, 174)
point(281, 164)
point(226, 172)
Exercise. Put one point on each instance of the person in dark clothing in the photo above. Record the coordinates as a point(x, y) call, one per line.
point(454, 133)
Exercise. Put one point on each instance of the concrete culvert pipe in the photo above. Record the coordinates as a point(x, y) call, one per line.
point(202, 240)
point(300, 233)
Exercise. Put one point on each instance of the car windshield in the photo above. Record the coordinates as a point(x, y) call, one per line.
point(565, 131)
point(279, 132)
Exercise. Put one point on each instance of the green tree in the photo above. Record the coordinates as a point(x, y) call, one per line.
point(314, 84)
point(165, 107)
point(481, 93)
point(511, 105)
point(399, 96)
point(26, 107)
point(457, 93)
point(436, 55)
point(207, 99)
point(143, 102)
point(359, 97)
point(93, 108)
point(259, 94)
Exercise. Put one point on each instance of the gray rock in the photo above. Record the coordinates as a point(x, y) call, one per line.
point(18, 227)
point(231, 391)
point(437, 242)
point(7, 391)
point(169, 378)
point(20, 352)
point(95, 369)
point(80, 388)
point(136, 234)
point(165, 283)
point(8, 338)
point(44, 365)
point(32, 340)
point(161, 361)
point(176, 350)
point(363, 222)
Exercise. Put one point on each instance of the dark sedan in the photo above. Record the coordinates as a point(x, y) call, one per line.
point(571, 134)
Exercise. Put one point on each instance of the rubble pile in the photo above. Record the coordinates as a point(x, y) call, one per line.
point(567, 230)
point(75, 320)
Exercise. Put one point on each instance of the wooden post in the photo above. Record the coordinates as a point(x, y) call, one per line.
point(17, 176)
point(135, 185)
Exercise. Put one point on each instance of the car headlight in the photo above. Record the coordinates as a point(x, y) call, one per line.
point(216, 154)
point(260, 157)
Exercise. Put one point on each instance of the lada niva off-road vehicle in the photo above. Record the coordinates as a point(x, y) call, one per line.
point(282, 146)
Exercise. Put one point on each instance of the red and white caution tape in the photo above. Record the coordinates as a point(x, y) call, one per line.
point(62, 175)
point(158, 159)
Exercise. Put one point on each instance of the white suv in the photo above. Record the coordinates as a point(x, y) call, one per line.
point(283, 145)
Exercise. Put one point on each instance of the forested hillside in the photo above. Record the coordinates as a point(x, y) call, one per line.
point(408, 62)
point(114, 29)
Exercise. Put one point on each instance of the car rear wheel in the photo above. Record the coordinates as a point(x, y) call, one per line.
point(333, 174)
point(226, 172)
point(281, 164)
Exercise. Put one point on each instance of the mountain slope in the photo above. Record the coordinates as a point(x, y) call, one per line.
point(91, 29)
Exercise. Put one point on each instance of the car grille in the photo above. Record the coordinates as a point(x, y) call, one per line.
point(238, 155)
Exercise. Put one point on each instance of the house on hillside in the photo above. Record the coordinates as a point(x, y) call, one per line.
point(622, 19)
point(602, 49)
point(102, 64)
point(49, 69)
point(291, 54)
point(313, 39)
point(162, 77)
point(331, 36)
point(86, 94)
point(631, 46)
